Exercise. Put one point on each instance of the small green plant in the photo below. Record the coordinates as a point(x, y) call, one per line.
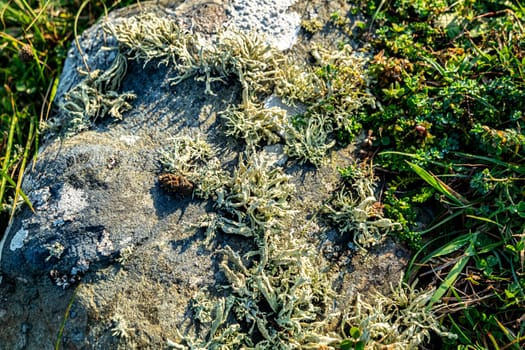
point(448, 79)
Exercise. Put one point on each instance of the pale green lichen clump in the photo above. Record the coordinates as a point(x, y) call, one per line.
point(254, 123)
point(148, 37)
point(95, 97)
point(398, 321)
point(355, 210)
point(332, 93)
point(276, 289)
point(195, 159)
point(276, 295)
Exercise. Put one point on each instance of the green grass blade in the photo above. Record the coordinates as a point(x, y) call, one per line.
point(437, 184)
point(9, 146)
point(455, 328)
point(65, 318)
point(18, 190)
point(452, 276)
point(24, 6)
point(75, 31)
point(414, 156)
point(442, 222)
point(449, 248)
point(480, 218)
point(7, 178)
point(9, 13)
point(513, 167)
point(453, 246)
point(41, 12)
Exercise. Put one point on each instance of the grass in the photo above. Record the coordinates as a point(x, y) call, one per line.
point(446, 137)
point(34, 40)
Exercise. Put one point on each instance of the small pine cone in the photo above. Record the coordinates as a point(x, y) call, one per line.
point(176, 184)
point(25, 53)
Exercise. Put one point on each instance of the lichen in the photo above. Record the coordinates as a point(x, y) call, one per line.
point(195, 159)
point(95, 97)
point(281, 301)
point(276, 295)
point(120, 327)
point(333, 92)
point(55, 250)
point(147, 37)
point(355, 209)
point(298, 83)
point(255, 124)
point(401, 320)
point(309, 140)
point(255, 198)
point(312, 26)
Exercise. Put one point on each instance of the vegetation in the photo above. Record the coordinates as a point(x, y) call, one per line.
point(442, 103)
point(449, 143)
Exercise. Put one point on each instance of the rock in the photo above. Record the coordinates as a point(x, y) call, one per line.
point(109, 258)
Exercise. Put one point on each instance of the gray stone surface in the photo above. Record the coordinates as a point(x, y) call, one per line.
point(101, 216)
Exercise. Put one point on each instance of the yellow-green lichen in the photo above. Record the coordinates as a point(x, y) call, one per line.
point(148, 37)
point(333, 92)
point(94, 98)
point(276, 295)
point(276, 290)
point(254, 123)
point(255, 197)
point(355, 210)
point(401, 320)
point(193, 158)
point(310, 139)
point(312, 26)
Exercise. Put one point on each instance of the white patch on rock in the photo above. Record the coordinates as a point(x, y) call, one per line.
point(72, 200)
point(268, 17)
point(17, 241)
point(105, 246)
point(40, 197)
point(129, 140)
point(274, 155)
